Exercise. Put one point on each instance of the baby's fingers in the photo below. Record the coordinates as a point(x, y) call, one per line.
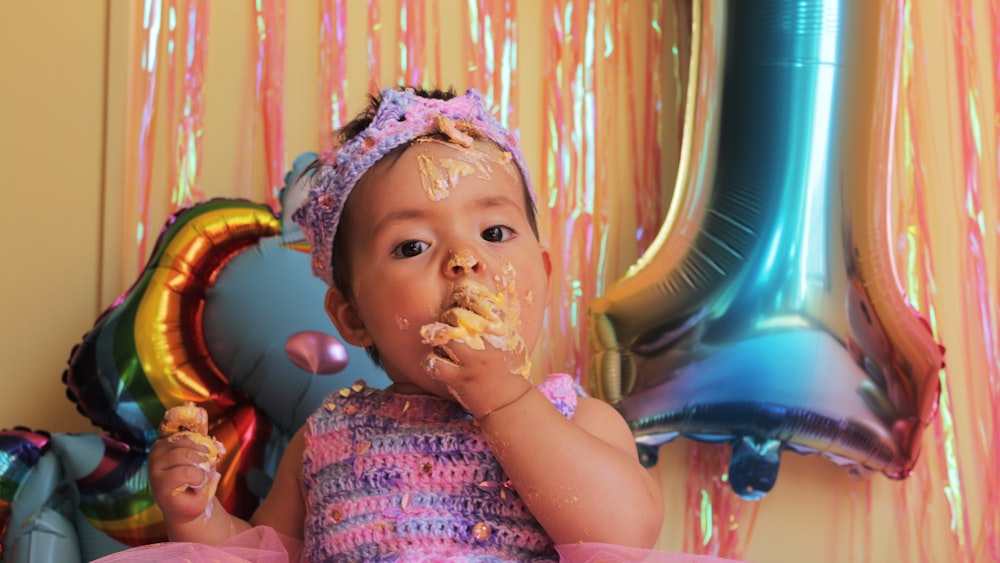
point(167, 453)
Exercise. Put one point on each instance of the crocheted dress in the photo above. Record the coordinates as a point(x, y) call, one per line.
point(411, 477)
point(408, 478)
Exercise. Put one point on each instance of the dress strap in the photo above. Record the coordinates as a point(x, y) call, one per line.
point(562, 391)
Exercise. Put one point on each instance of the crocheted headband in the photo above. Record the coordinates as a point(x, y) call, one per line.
point(401, 117)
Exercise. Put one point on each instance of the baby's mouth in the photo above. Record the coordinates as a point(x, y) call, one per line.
point(475, 316)
point(470, 314)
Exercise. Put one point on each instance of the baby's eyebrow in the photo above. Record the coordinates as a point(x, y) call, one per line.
point(397, 215)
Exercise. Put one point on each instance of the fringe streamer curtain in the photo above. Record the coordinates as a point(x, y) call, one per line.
point(374, 46)
point(608, 78)
point(270, 92)
point(491, 28)
point(948, 199)
point(332, 69)
point(140, 129)
point(413, 53)
point(187, 48)
point(568, 178)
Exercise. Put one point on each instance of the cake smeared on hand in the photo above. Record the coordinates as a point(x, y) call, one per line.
point(190, 422)
point(476, 316)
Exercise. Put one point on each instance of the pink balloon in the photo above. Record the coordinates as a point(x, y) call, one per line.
point(316, 352)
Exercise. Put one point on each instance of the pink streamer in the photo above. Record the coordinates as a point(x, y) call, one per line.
point(492, 45)
point(718, 523)
point(568, 181)
point(374, 47)
point(142, 125)
point(647, 128)
point(187, 38)
point(332, 69)
point(270, 91)
point(435, 32)
point(979, 303)
point(412, 43)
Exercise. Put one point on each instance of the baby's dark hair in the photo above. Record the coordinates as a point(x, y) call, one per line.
point(353, 128)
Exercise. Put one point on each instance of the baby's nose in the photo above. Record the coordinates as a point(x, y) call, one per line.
point(464, 262)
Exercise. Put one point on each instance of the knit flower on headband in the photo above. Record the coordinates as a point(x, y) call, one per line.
point(402, 116)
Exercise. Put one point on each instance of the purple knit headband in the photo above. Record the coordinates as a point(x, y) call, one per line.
point(401, 117)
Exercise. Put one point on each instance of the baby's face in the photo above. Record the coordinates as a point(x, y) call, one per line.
point(426, 230)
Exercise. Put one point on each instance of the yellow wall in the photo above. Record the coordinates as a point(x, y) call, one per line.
point(52, 152)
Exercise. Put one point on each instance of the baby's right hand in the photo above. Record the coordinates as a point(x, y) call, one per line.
point(182, 465)
point(480, 377)
point(182, 475)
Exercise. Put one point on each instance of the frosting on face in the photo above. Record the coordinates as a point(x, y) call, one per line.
point(476, 316)
point(402, 322)
point(438, 178)
point(440, 175)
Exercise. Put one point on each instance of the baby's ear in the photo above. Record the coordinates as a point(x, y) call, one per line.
point(345, 318)
point(547, 264)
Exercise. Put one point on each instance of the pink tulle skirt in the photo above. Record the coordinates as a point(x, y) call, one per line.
point(261, 544)
point(264, 545)
point(609, 553)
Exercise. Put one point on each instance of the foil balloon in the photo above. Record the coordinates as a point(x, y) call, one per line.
point(767, 313)
point(228, 287)
point(37, 507)
point(148, 351)
point(316, 352)
point(20, 450)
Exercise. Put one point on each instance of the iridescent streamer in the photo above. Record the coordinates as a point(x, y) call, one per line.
point(412, 43)
point(976, 361)
point(270, 90)
point(647, 125)
point(187, 24)
point(374, 47)
point(718, 522)
point(992, 520)
point(566, 190)
point(175, 38)
point(608, 71)
point(979, 302)
point(141, 126)
point(332, 69)
point(435, 33)
point(916, 261)
point(607, 168)
point(492, 47)
point(918, 264)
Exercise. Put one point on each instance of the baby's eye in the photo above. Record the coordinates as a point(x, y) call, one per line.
point(497, 233)
point(409, 249)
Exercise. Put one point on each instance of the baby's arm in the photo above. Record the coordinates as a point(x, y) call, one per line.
point(173, 467)
point(580, 478)
point(284, 507)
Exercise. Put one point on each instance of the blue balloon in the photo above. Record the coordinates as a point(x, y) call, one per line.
point(261, 298)
point(765, 315)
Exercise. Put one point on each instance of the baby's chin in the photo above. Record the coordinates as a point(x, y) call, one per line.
point(416, 381)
